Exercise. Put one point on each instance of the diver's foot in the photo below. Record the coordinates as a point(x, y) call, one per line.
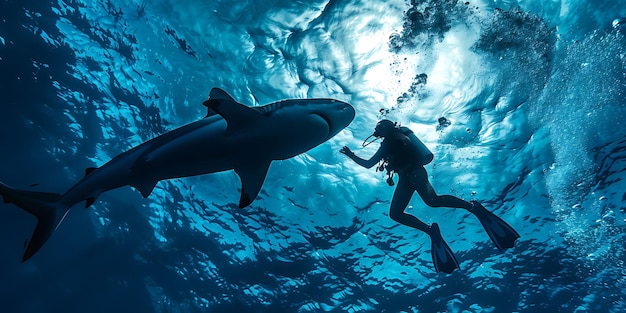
point(501, 233)
point(443, 258)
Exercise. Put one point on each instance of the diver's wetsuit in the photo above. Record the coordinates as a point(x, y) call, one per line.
point(412, 176)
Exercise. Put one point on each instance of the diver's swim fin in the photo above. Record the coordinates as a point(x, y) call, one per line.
point(443, 258)
point(501, 233)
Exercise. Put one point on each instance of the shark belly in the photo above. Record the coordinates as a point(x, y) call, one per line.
point(203, 150)
point(194, 149)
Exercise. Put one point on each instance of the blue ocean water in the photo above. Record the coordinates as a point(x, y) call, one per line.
point(533, 96)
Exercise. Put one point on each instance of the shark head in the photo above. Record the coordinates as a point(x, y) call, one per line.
point(306, 123)
point(336, 114)
point(282, 129)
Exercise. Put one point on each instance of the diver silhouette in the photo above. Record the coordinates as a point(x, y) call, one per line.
point(403, 153)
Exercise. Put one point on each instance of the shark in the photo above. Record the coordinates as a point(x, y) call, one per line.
point(232, 136)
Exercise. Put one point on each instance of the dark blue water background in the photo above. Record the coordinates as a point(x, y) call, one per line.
point(533, 93)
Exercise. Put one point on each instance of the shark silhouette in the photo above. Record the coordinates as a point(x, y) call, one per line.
point(231, 137)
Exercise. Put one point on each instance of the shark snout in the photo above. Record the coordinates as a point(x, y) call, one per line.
point(345, 116)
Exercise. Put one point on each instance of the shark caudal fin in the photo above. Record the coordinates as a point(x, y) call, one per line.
point(44, 206)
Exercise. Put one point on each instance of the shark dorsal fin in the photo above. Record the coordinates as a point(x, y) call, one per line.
point(90, 170)
point(216, 94)
point(236, 114)
point(219, 94)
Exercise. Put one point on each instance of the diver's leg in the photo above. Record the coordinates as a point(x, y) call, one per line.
point(401, 198)
point(443, 257)
point(419, 179)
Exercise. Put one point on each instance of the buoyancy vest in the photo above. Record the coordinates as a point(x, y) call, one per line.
point(417, 146)
point(405, 150)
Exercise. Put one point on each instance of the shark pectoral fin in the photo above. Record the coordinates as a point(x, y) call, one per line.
point(252, 177)
point(145, 187)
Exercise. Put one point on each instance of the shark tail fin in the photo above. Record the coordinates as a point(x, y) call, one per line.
point(44, 206)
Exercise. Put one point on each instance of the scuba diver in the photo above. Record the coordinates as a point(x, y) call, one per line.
point(403, 153)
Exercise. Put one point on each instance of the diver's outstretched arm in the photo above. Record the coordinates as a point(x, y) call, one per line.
point(365, 163)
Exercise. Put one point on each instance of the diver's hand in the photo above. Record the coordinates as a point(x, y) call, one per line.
point(345, 150)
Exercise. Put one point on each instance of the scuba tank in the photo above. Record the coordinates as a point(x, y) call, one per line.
point(415, 150)
point(418, 147)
